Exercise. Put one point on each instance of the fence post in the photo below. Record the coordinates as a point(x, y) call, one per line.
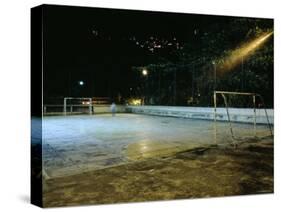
point(215, 117)
point(255, 115)
point(64, 106)
point(90, 106)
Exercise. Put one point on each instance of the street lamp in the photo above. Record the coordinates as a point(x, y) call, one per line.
point(81, 82)
point(144, 72)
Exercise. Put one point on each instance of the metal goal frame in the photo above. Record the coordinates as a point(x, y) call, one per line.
point(254, 96)
point(65, 99)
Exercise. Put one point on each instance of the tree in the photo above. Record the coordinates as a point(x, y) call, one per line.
point(187, 75)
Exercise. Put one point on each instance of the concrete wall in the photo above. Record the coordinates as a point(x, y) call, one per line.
point(98, 109)
point(236, 114)
point(244, 115)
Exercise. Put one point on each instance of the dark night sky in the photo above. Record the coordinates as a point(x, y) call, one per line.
point(100, 46)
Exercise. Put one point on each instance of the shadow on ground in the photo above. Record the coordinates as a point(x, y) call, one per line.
point(196, 173)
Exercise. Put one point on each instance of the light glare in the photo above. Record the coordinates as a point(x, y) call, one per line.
point(244, 51)
point(144, 72)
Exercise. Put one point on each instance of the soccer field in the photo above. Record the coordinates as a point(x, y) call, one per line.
point(131, 157)
point(77, 144)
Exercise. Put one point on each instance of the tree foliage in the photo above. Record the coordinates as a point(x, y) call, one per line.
point(188, 77)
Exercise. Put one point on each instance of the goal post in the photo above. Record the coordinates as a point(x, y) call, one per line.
point(72, 105)
point(251, 104)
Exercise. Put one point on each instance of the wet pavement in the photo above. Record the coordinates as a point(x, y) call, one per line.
point(197, 173)
point(130, 158)
point(79, 144)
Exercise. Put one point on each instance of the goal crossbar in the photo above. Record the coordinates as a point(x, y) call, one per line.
point(238, 93)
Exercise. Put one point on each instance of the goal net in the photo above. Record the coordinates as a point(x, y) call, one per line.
point(245, 113)
point(72, 105)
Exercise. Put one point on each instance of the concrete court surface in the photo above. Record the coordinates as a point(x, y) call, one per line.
point(130, 158)
point(82, 143)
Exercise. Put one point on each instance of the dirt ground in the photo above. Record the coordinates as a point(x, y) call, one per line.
point(207, 171)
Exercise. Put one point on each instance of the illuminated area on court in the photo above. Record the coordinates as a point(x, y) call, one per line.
point(124, 138)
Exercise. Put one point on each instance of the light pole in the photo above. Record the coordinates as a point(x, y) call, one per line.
point(243, 73)
point(215, 101)
point(79, 88)
point(215, 75)
point(145, 74)
point(175, 87)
